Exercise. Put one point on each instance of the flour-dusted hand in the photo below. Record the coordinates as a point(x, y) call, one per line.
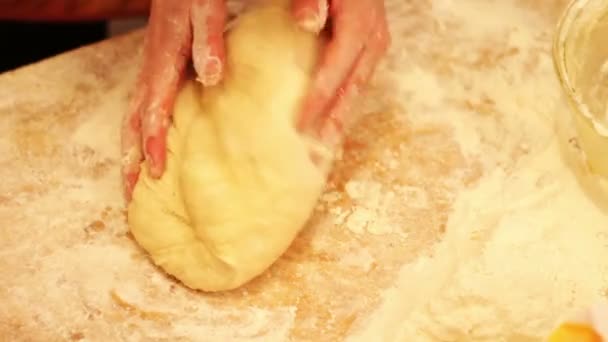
point(178, 31)
point(359, 39)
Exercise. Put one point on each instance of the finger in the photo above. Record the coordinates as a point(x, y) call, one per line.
point(208, 53)
point(337, 59)
point(330, 128)
point(131, 140)
point(170, 39)
point(311, 15)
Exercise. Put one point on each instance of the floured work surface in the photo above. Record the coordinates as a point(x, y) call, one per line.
point(451, 217)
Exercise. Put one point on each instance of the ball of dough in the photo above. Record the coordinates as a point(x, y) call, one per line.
point(239, 182)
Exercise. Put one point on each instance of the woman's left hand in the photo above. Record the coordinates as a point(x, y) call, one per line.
point(359, 39)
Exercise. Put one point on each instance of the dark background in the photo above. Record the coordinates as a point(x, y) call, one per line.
point(23, 43)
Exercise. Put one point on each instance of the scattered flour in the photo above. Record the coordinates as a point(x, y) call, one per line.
point(525, 246)
point(521, 252)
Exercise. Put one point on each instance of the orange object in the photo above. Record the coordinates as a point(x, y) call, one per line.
point(571, 332)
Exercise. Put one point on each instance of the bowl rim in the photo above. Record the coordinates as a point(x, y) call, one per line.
point(560, 41)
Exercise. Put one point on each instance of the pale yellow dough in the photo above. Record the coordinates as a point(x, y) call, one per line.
point(239, 183)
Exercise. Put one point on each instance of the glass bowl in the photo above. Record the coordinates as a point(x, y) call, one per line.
point(580, 55)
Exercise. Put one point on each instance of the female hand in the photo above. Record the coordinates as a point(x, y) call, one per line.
point(359, 39)
point(178, 31)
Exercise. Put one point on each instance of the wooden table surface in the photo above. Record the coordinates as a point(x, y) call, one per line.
point(70, 270)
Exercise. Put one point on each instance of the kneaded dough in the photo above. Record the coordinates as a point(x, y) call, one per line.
point(239, 183)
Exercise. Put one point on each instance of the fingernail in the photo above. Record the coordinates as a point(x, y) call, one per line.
point(304, 118)
point(311, 17)
point(311, 22)
point(136, 122)
point(130, 181)
point(154, 146)
point(212, 73)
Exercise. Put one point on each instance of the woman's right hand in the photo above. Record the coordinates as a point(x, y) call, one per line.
point(178, 31)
